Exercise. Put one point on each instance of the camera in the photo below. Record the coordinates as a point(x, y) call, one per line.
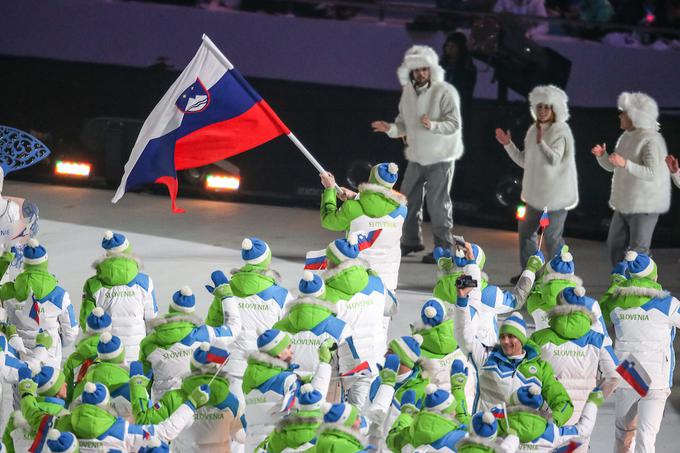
point(466, 281)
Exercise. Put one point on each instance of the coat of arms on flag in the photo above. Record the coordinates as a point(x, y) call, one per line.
point(194, 99)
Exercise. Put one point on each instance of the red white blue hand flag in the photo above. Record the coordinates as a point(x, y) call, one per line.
point(209, 114)
point(316, 260)
point(545, 219)
point(362, 369)
point(633, 373)
point(217, 355)
point(41, 436)
point(568, 448)
point(34, 312)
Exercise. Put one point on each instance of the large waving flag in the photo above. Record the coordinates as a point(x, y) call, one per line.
point(209, 114)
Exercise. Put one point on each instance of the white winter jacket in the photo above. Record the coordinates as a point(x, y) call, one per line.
point(443, 142)
point(643, 185)
point(549, 168)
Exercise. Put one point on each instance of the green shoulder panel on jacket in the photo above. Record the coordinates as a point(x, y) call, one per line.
point(399, 434)
point(85, 350)
point(92, 285)
point(555, 395)
point(7, 291)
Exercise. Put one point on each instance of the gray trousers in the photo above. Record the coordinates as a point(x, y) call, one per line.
point(528, 237)
point(433, 183)
point(630, 232)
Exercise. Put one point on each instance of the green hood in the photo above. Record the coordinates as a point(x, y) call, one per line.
point(261, 367)
point(544, 296)
point(378, 201)
point(528, 423)
point(429, 427)
point(476, 444)
point(89, 421)
point(117, 270)
point(295, 430)
point(250, 280)
point(345, 280)
point(571, 321)
point(338, 439)
point(219, 387)
point(438, 341)
point(112, 375)
point(304, 314)
point(415, 382)
point(633, 293)
point(171, 329)
point(34, 278)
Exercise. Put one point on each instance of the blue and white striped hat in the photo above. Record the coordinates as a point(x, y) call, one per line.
point(515, 325)
point(433, 312)
point(183, 301)
point(562, 262)
point(311, 285)
point(98, 321)
point(110, 348)
point(59, 442)
point(114, 242)
point(310, 398)
point(34, 253)
point(343, 249)
point(255, 251)
point(273, 341)
point(477, 253)
point(384, 174)
point(438, 400)
point(641, 265)
point(95, 393)
point(484, 424)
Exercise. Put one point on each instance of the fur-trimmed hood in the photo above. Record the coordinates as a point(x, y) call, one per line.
point(545, 413)
point(117, 269)
point(641, 108)
point(562, 310)
point(130, 256)
point(420, 57)
point(266, 358)
point(476, 440)
point(297, 420)
point(153, 323)
point(308, 300)
point(640, 291)
point(557, 276)
point(330, 273)
point(387, 193)
point(345, 429)
point(552, 96)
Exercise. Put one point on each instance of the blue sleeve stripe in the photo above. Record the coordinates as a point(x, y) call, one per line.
point(352, 349)
point(71, 316)
point(611, 352)
point(223, 331)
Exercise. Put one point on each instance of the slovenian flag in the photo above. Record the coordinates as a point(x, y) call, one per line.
point(209, 114)
point(362, 369)
point(217, 355)
point(633, 373)
point(367, 240)
point(34, 312)
point(288, 402)
point(568, 448)
point(316, 260)
point(545, 219)
point(498, 412)
point(41, 436)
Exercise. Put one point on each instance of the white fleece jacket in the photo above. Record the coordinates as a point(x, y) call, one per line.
point(550, 178)
point(644, 185)
point(443, 142)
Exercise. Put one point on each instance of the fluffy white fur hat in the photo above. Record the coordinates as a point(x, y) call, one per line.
point(641, 109)
point(420, 57)
point(552, 96)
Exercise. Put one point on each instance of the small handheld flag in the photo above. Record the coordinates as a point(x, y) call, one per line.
point(288, 402)
point(361, 369)
point(634, 374)
point(217, 355)
point(34, 312)
point(568, 448)
point(315, 260)
point(41, 436)
point(543, 223)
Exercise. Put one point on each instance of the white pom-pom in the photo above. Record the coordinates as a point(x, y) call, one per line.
point(260, 331)
point(460, 253)
point(430, 312)
point(247, 244)
point(90, 387)
point(488, 418)
point(308, 276)
point(186, 291)
point(108, 235)
point(579, 291)
point(326, 407)
point(534, 390)
point(205, 346)
point(631, 255)
point(307, 388)
point(352, 239)
point(567, 257)
point(33, 242)
point(53, 434)
point(98, 312)
point(393, 168)
point(105, 337)
point(430, 389)
point(418, 338)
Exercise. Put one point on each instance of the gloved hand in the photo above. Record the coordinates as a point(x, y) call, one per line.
point(137, 376)
point(200, 396)
point(325, 351)
point(218, 278)
point(43, 339)
point(408, 402)
point(443, 258)
point(7, 257)
point(9, 330)
point(459, 374)
point(596, 397)
point(27, 386)
point(536, 262)
point(620, 272)
point(388, 372)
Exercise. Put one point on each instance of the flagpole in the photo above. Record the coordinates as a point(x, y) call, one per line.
point(225, 61)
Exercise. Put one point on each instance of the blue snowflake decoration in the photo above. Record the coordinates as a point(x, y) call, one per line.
point(19, 149)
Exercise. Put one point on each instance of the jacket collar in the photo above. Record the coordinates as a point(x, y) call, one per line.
point(176, 318)
point(640, 291)
point(387, 193)
point(330, 273)
point(269, 360)
point(557, 276)
point(308, 300)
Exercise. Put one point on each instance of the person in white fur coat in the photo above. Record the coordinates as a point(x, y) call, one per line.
point(641, 188)
point(550, 180)
point(429, 121)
